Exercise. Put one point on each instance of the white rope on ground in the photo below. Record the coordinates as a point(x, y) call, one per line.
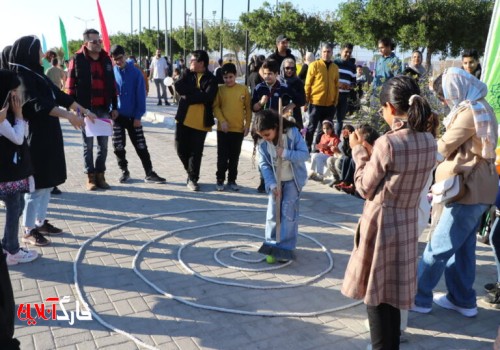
point(137, 341)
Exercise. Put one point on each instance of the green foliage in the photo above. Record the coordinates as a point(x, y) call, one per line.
point(445, 27)
point(306, 31)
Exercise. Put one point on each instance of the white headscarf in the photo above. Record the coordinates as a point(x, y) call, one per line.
point(462, 90)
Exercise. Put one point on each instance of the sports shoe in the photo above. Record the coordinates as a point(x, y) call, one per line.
point(219, 186)
point(22, 256)
point(48, 229)
point(55, 191)
point(421, 309)
point(492, 287)
point(193, 185)
point(442, 300)
point(159, 103)
point(154, 178)
point(35, 238)
point(261, 188)
point(233, 186)
point(493, 299)
point(125, 176)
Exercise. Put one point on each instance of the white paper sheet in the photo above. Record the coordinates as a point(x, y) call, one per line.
point(101, 127)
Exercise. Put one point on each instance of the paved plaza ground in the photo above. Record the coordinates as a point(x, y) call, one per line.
point(163, 267)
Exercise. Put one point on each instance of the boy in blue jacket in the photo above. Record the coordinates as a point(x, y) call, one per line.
point(131, 107)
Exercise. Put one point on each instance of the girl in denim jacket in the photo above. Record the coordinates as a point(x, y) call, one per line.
point(294, 153)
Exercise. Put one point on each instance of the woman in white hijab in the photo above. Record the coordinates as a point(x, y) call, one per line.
point(468, 149)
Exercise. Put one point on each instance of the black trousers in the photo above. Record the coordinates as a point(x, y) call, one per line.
point(316, 116)
point(189, 144)
point(7, 308)
point(384, 322)
point(228, 155)
point(342, 107)
point(138, 141)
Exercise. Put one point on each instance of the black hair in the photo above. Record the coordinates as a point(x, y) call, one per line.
point(228, 68)
point(397, 91)
point(49, 53)
point(359, 66)
point(256, 62)
point(272, 65)
point(387, 42)
point(220, 61)
point(117, 50)
point(267, 119)
point(470, 53)
point(201, 56)
point(368, 133)
point(347, 46)
point(87, 32)
point(348, 127)
point(54, 61)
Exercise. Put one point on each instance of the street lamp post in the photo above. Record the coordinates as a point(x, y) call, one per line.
point(220, 30)
point(85, 21)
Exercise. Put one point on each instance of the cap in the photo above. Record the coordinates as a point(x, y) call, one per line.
point(282, 37)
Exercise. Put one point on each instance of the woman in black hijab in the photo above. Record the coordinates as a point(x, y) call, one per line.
point(4, 59)
point(41, 108)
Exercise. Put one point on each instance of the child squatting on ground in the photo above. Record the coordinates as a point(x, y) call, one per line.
point(294, 153)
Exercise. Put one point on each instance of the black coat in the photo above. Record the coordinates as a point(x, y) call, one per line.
point(45, 138)
point(186, 86)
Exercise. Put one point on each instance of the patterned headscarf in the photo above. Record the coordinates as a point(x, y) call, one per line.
point(462, 90)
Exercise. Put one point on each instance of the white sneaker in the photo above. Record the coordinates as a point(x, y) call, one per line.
point(443, 301)
point(22, 256)
point(421, 309)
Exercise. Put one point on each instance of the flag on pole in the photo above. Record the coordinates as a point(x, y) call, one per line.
point(491, 63)
point(104, 31)
point(44, 44)
point(64, 41)
point(491, 69)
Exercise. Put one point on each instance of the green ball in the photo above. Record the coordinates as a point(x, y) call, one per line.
point(270, 259)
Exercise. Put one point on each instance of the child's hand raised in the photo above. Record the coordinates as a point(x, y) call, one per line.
point(3, 113)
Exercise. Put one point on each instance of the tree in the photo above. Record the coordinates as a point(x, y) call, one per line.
point(233, 38)
point(305, 31)
point(436, 26)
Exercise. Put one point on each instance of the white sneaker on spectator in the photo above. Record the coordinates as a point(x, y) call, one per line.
point(441, 300)
point(22, 256)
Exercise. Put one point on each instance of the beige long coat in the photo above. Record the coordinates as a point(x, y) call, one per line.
point(383, 263)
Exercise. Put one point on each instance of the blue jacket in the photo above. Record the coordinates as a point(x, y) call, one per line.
point(295, 151)
point(131, 91)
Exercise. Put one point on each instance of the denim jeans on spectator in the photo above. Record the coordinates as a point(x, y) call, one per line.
point(102, 148)
point(14, 204)
point(452, 250)
point(35, 206)
point(163, 94)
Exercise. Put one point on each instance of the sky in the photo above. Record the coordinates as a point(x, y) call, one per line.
point(28, 17)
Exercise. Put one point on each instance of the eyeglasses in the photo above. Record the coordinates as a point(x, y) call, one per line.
point(95, 41)
point(289, 68)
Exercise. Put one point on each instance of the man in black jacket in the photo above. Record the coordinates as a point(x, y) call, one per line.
point(197, 89)
point(282, 50)
point(91, 82)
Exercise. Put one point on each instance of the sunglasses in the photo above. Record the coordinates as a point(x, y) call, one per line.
point(289, 68)
point(95, 41)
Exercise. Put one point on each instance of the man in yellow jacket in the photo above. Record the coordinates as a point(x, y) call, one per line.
point(322, 91)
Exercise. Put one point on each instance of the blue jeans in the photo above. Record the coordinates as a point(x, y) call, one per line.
point(13, 205)
point(289, 217)
point(102, 148)
point(35, 206)
point(495, 244)
point(452, 250)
